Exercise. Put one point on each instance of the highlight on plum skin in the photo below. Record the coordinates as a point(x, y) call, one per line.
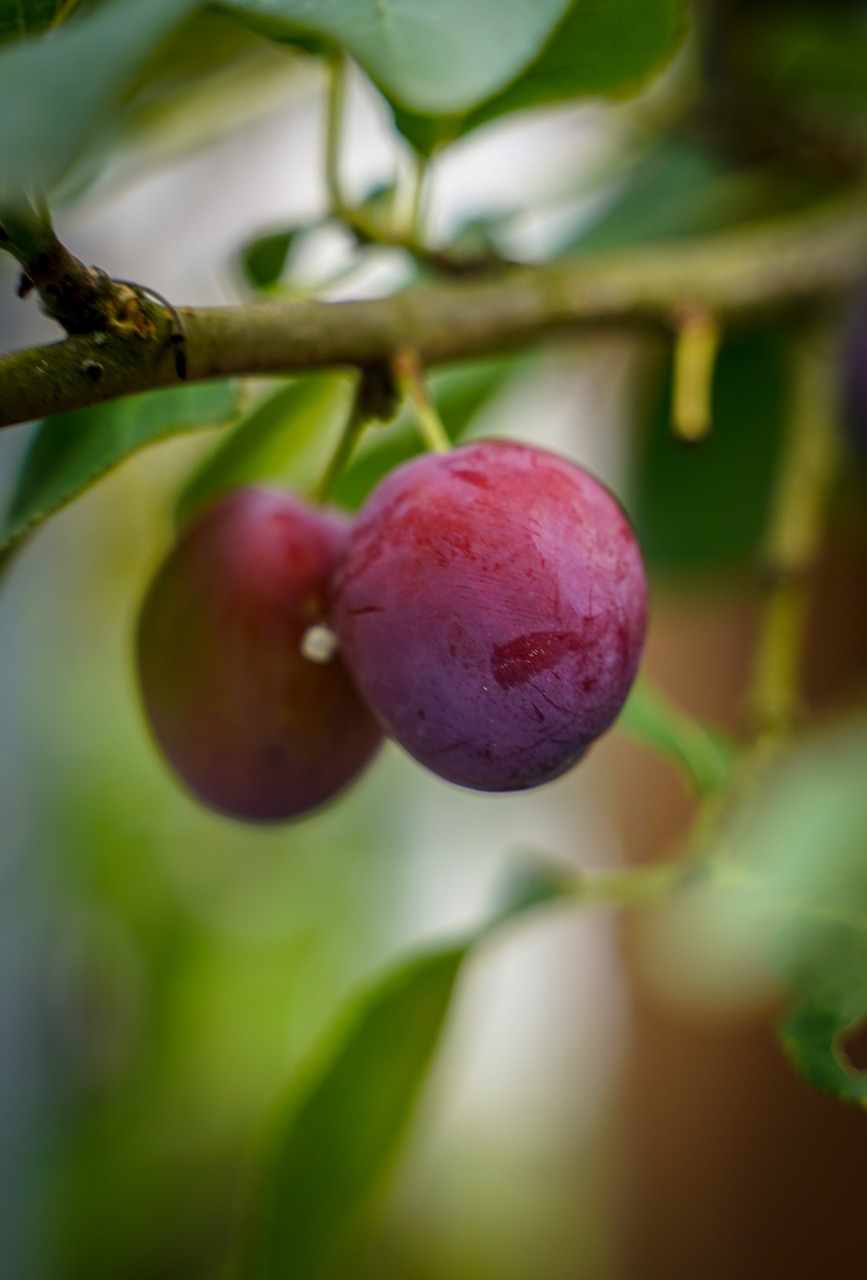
point(492, 606)
point(253, 726)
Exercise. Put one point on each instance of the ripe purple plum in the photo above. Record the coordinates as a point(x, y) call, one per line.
point(251, 724)
point(492, 607)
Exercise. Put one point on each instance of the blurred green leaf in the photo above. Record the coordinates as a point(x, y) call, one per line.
point(206, 79)
point(71, 452)
point(264, 259)
point(342, 1129)
point(832, 1001)
point(25, 17)
point(704, 755)
point(435, 58)
point(703, 506)
point(817, 60)
point(606, 48)
point(530, 882)
point(275, 442)
point(675, 188)
point(57, 91)
point(339, 1139)
point(286, 438)
point(814, 836)
point(600, 48)
point(786, 901)
point(671, 190)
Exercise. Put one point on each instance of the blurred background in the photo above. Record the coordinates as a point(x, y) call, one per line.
point(600, 1108)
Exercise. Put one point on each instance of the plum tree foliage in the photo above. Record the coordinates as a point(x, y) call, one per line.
point(482, 603)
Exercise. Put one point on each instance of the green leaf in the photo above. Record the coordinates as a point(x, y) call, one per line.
point(817, 60)
point(264, 259)
point(57, 91)
point(207, 78)
point(283, 440)
point(70, 452)
point(437, 58)
point(287, 438)
point(832, 1003)
point(784, 905)
point(19, 18)
point(342, 1129)
point(672, 190)
point(600, 48)
point(340, 1137)
point(703, 507)
point(815, 833)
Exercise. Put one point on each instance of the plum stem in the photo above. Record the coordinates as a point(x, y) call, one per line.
point(374, 399)
point(407, 371)
point(703, 754)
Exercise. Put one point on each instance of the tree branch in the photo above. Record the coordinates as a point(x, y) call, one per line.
point(781, 265)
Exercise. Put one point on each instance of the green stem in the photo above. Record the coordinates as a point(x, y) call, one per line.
point(409, 381)
point(809, 466)
point(632, 886)
point(335, 111)
point(703, 756)
point(27, 230)
point(417, 204)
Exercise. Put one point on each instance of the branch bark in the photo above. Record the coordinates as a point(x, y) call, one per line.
point(778, 266)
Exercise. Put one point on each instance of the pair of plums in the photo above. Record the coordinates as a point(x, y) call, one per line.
point(486, 609)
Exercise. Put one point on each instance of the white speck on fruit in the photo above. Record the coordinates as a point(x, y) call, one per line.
point(319, 643)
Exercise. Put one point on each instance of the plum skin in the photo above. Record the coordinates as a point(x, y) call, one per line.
point(492, 606)
point(254, 728)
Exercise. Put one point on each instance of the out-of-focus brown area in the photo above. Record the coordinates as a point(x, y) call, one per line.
point(733, 1166)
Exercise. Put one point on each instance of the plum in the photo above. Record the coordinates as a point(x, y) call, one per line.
point(492, 606)
point(260, 723)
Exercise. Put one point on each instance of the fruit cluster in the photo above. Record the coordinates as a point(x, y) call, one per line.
point(486, 609)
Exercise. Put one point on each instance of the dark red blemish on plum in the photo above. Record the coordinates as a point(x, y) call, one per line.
point(444, 543)
point(530, 654)
point(478, 478)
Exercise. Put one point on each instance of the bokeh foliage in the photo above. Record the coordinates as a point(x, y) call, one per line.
point(197, 970)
